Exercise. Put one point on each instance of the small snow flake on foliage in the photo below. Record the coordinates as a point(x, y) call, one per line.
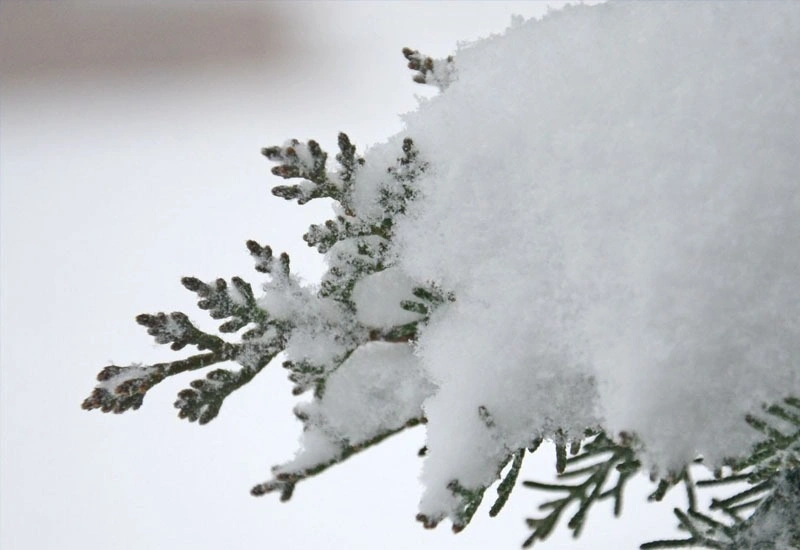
point(590, 237)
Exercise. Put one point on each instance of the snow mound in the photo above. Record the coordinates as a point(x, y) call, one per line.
point(614, 199)
point(377, 389)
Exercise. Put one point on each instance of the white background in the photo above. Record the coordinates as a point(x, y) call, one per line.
point(123, 170)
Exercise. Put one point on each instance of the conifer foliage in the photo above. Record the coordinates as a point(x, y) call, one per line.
point(263, 327)
point(351, 342)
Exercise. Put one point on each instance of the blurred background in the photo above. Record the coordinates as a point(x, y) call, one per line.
point(129, 157)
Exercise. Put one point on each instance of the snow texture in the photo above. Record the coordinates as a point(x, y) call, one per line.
point(377, 389)
point(774, 524)
point(612, 195)
point(614, 199)
point(316, 321)
point(378, 297)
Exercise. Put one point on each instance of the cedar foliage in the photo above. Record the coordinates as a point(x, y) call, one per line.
point(589, 470)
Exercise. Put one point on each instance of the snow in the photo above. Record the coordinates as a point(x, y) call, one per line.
point(378, 297)
point(523, 403)
point(611, 196)
point(317, 320)
point(377, 389)
point(133, 371)
point(613, 199)
point(774, 525)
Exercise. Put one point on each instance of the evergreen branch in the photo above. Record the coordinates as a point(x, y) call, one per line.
point(709, 524)
point(438, 72)
point(359, 257)
point(349, 164)
point(561, 455)
point(689, 484)
point(764, 427)
point(784, 414)
point(778, 511)
point(555, 487)
point(177, 329)
point(123, 388)
point(773, 468)
point(689, 522)
point(203, 400)
point(222, 302)
point(543, 527)
point(397, 193)
point(508, 483)
point(306, 161)
point(285, 482)
point(430, 298)
point(370, 239)
point(670, 481)
point(736, 478)
point(771, 462)
point(613, 457)
point(324, 236)
point(433, 295)
point(414, 307)
point(739, 497)
point(626, 471)
point(304, 375)
point(470, 501)
point(769, 455)
point(267, 263)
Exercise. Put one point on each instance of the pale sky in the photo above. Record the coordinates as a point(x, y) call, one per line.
point(129, 159)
